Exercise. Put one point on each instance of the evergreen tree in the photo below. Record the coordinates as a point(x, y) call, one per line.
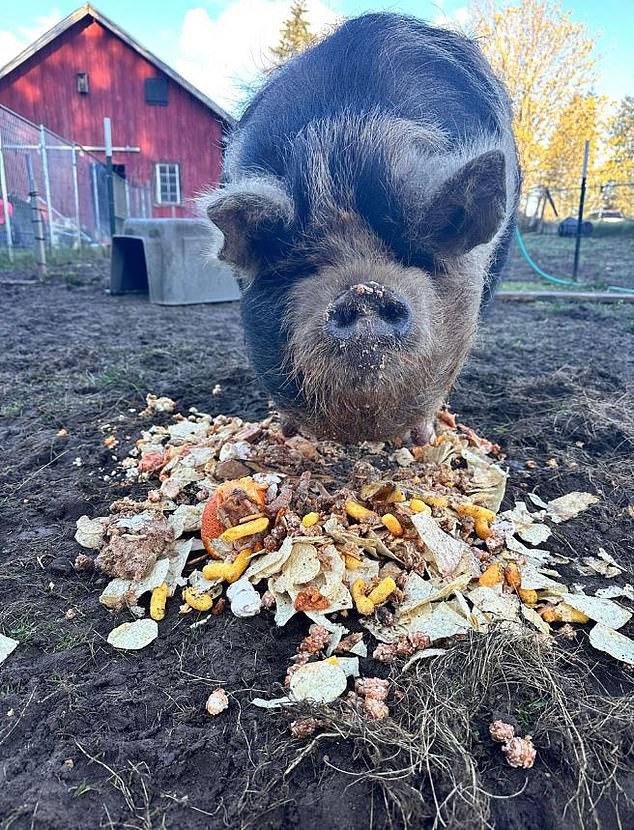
point(295, 36)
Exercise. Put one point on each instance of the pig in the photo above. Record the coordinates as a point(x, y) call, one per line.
point(366, 204)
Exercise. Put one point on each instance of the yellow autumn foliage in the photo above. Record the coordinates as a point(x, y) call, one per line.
point(545, 59)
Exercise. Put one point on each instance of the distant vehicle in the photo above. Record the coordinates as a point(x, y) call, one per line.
point(607, 216)
point(568, 227)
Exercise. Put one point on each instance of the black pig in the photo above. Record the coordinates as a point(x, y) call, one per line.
point(367, 202)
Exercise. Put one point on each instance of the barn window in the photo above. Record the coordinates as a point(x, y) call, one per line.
point(82, 83)
point(156, 91)
point(168, 184)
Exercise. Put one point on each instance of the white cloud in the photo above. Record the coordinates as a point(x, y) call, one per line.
point(225, 56)
point(459, 19)
point(40, 25)
point(12, 43)
point(10, 46)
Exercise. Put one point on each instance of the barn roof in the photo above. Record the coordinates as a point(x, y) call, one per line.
point(88, 10)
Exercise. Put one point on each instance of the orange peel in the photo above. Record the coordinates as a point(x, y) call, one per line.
point(211, 527)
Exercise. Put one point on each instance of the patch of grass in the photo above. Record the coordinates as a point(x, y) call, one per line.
point(73, 278)
point(13, 409)
point(528, 713)
point(613, 229)
point(56, 258)
point(82, 789)
point(133, 784)
point(42, 628)
point(604, 260)
point(23, 628)
point(72, 638)
point(120, 378)
point(539, 284)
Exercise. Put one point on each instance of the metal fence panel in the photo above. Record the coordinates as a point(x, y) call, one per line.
point(70, 186)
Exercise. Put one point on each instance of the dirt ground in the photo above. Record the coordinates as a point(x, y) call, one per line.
point(91, 738)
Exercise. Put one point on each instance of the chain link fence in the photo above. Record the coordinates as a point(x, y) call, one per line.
point(55, 192)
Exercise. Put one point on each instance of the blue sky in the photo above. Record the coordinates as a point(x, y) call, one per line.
point(217, 44)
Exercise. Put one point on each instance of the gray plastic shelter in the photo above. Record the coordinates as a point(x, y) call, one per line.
point(173, 261)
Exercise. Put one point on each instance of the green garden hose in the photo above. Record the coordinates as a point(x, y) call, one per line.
point(557, 280)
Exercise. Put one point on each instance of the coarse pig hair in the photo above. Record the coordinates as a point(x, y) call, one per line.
point(384, 153)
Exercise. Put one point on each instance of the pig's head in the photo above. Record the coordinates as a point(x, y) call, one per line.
point(362, 282)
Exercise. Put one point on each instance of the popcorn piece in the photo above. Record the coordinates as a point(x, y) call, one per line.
point(501, 732)
point(217, 702)
point(520, 752)
point(374, 691)
point(303, 727)
point(245, 600)
point(318, 639)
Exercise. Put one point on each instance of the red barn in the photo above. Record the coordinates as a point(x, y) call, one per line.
point(164, 130)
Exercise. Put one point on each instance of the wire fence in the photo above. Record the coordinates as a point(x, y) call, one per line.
point(545, 206)
point(53, 191)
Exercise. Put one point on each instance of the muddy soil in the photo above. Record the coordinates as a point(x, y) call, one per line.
point(94, 738)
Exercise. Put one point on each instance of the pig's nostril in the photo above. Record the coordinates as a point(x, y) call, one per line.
point(345, 315)
point(377, 313)
point(395, 312)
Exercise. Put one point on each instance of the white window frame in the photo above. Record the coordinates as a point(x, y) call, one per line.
point(169, 168)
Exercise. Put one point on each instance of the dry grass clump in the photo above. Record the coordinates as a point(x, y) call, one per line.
point(434, 762)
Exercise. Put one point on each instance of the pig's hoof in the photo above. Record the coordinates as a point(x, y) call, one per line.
point(289, 427)
point(423, 434)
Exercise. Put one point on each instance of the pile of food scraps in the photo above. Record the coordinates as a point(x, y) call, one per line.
point(404, 544)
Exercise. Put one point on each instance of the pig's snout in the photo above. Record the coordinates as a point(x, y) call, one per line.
point(369, 313)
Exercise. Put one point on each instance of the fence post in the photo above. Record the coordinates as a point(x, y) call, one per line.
point(5, 204)
point(36, 219)
point(582, 198)
point(107, 130)
point(127, 197)
point(47, 185)
point(76, 195)
point(95, 198)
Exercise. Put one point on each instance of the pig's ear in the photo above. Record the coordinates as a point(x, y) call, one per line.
point(468, 208)
point(252, 215)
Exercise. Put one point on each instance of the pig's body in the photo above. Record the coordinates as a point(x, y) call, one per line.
point(369, 194)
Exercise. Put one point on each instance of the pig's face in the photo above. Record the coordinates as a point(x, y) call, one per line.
point(356, 330)
point(374, 347)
